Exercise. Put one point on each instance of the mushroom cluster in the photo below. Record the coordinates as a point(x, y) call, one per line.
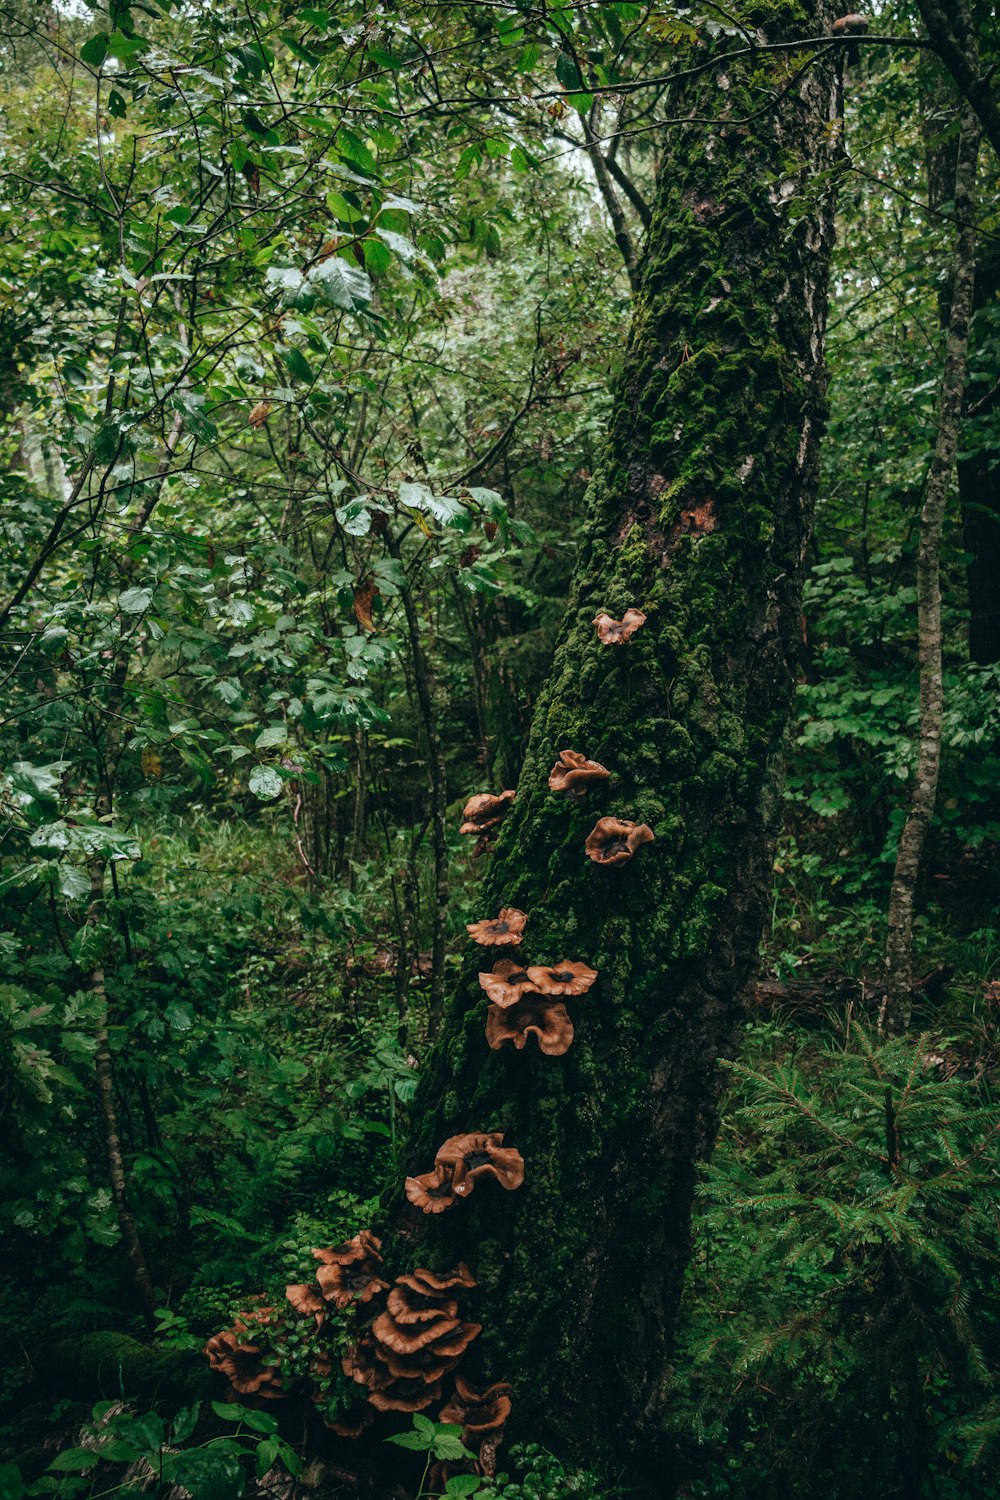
point(241, 1356)
point(461, 1162)
point(413, 1343)
point(349, 1273)
point(483, 814)
point(526, 1002)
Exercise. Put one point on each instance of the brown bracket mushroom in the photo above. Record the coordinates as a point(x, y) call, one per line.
point(350, 1272)
point(485, 811)
point(616, 632)
point(506, 982)
point(574, 773)
point(546, 1020)
point(504, 931)
point(236, 1355)
point(612, 841)
point(432, 1191)
point(474, 1156)
point(417, 1340)
point(563, 978)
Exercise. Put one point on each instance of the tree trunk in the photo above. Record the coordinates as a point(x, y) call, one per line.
point(699, 515)
point(979, 477)
point(894, 1013)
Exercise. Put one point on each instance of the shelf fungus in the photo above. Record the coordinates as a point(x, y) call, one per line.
point(546, 1020)
point(505, 930)
point(486, 811)
point(563, 978)
point(235, 1354)
point(414, 1343)
point(612, 841)
point(574, 773)
point(616, 632)
point(506, 982)
point(432, 1191)
point(350, 1273)
point(472, 1157)
point(477, 1412)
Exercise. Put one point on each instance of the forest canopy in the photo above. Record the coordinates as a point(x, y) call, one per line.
point(499, 706)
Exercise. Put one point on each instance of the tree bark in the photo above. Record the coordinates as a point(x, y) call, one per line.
point(894, 1012)
point(699, 514)
point(438, 778)
point(950, 27)
point(979, 477)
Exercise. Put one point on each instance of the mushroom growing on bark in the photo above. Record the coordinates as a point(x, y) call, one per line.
point(432, 1191)
point(477, 1412)
point(612, 841)
point(473, 1156)
point(546, 1020)
point(350, 1272)
point(616, 632)
point(417, 1340)
point(235, 1354)
point(484, 811)
point(506, 983)
point(574, 773)
point(563, 978)
point(504, 931)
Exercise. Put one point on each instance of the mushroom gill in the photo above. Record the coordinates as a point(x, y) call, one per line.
point(504, 931)
point(616, 632)
point(612, 841)
point(546, 1020)
point(506, 982)
point(574, 773)
point(563, 978)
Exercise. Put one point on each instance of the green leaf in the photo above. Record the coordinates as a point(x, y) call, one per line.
point(448, 1447)
point(416, 1440)
point(95, 50)
point(265, 783)
point(463, 1484)
point(297, 365)
point(341, 285)
point(135, 601)
point(74, 1460)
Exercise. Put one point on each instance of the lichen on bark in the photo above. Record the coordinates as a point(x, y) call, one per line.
point(698, 515)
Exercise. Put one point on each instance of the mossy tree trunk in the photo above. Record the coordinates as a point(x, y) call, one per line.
point(699, 515)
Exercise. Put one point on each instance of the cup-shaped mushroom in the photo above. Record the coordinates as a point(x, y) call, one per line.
point(408, 1306)
point(616, 632)
point(476, 1155)
point(546, 1020)
point(563, 978)
point(612, 841)
point(477, 1412)
point(407, 1395)
point(432, 1191)
point(506, 983)
point(306, 1300)
point(420, 1279)
point(349, 1273)
point(485, 810)
point(504, 931)
point(574, 773)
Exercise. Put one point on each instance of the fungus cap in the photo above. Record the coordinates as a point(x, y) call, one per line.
point(574, 773)
point(546, 1020)
point(477, 1155)
point(432, 1191)
point(616, 632)
point(503, 931)
point(408, 1340)
point(850, 25)
point(612, 841)
point(485, 810)
point(506, 982)
point(563, 978)
point(477, 1412)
